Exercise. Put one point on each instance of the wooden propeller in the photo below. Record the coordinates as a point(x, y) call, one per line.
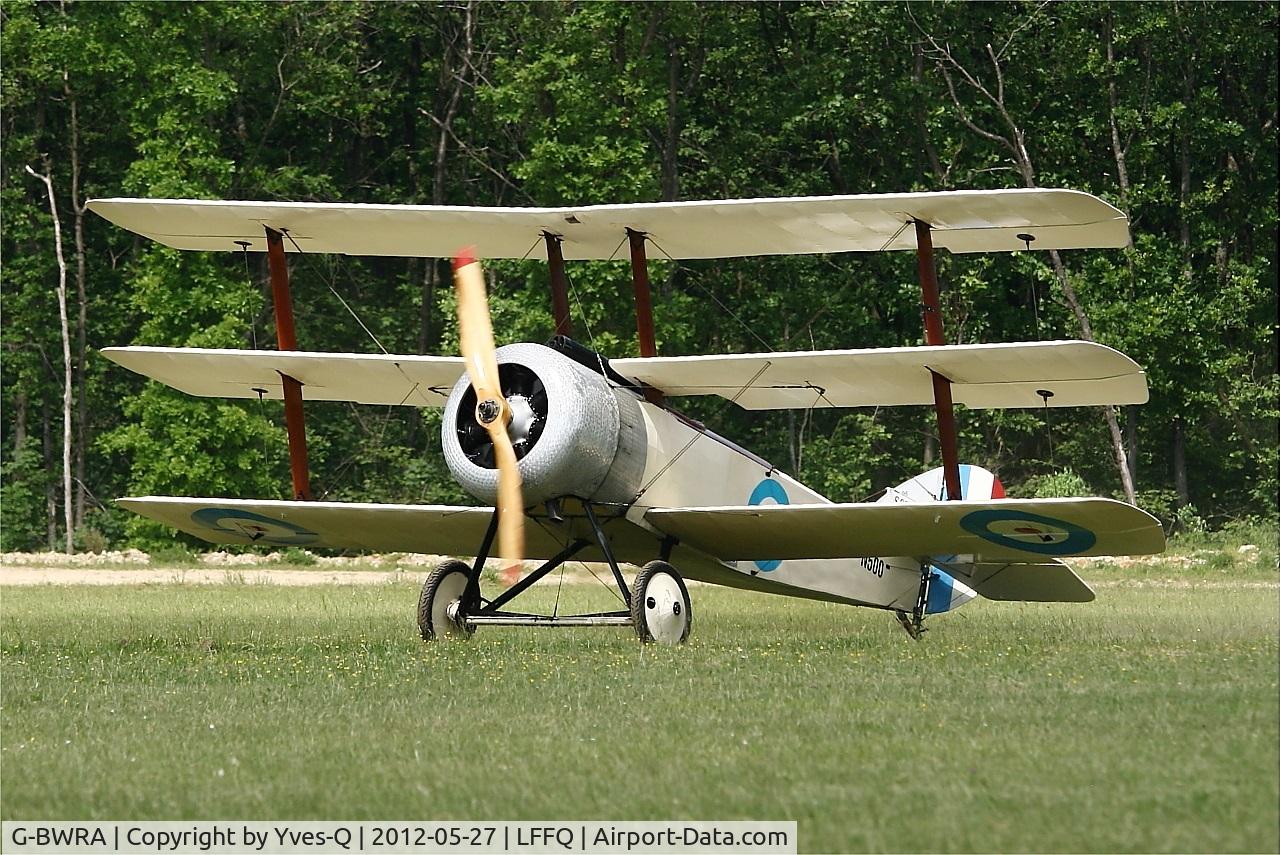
point(475, 335)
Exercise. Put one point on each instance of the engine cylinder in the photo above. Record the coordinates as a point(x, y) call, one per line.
point(574, 433)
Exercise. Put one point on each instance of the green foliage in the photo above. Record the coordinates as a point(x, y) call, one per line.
point(171, 553)
point(23, 514)
point(1062, 484)
point(574, 104)
point(295, 557)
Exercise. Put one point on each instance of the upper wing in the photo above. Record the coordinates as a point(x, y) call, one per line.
point(961, 221)
point(1075, 373)
point(999, 528)
point(419, 381)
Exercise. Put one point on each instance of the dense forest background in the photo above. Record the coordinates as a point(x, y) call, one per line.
point(1166, 110)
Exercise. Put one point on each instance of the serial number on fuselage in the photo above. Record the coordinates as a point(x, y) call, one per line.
point(875, 566)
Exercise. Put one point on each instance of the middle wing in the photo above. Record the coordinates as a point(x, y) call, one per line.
point(1000, 528)
point(1074, 373)
point(416, 381)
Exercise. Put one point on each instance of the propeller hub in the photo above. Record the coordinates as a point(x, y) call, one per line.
point(488, 411)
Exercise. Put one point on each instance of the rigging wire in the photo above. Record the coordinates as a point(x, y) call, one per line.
point(329, 284)
point(253, 333)
point(327, 278)
point(902, 228)
point(583, 564)
point(582, 311)
point(1045, 395)
point(697, 435)
point(253, 320)
point(1035, 295)
point(714, 298)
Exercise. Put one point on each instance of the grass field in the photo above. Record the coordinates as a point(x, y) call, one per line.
point(1146, 721)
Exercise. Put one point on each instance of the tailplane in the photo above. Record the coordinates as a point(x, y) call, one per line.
point(956, 579)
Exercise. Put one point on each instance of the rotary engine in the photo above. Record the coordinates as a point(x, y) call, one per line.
point(574, 433)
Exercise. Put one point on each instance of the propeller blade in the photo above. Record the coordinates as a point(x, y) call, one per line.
point(475, 339)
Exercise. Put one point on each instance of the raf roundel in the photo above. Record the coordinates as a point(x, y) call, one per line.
point(256, 528)
point(770, 491)
point(1029, 532)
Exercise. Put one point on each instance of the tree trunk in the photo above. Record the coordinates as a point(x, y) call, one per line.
point(50, 492)
point(1131, 441)
point(454, 68)
point(1180, 462)
point(68, 502)
point(1122, 177)
point(1015, 141)
point(19, 423)
point(671, 139)
point(81, 420)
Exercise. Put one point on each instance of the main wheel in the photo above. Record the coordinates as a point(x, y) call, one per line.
point(444, 586)
point(660, 605)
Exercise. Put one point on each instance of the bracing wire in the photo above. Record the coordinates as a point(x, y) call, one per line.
point(698, 284)
point(699, 434)
point(610, 588)
point(344, 303)
point(1035, 296)
point(248, 276)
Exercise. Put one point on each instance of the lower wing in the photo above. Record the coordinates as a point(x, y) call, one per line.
point(429, 529)
point(963, 532)
point(440, 529)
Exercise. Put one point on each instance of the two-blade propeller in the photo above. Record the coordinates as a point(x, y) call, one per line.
point(475, 334)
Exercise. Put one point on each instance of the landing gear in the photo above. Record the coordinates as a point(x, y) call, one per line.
point(660, 608)
point(451, 606)
point(914, 623)
point(438, 604)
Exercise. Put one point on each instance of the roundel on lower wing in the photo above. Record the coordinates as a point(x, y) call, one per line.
point(1029, 532)
point(256, 528)
point(774, 493)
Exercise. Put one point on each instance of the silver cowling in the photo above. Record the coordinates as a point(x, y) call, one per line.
point(574, 433)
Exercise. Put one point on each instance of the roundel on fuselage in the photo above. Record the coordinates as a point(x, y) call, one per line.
point(769, 491)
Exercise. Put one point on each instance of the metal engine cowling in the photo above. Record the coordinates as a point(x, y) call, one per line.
point(574, 433)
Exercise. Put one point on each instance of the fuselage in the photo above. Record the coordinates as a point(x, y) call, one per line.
point(688, 466)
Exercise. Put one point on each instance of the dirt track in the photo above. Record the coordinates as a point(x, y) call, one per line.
point(202, 576)
point(135, 568)
point(292, 577)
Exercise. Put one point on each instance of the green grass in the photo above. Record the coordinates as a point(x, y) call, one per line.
point(1146, 721)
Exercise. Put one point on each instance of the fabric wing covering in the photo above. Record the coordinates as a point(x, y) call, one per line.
point(960, 221)
point(1000, 528)
point(420, 381)
point(1073, 373)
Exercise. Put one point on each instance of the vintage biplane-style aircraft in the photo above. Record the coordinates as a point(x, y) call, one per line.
point(589, 453)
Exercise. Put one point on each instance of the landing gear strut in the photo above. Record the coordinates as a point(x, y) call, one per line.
point(914, 623)
point(451, 606)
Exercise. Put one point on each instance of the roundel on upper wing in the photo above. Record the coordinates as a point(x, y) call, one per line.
point(255, 528)
point(771, 492)
point(1029, 532)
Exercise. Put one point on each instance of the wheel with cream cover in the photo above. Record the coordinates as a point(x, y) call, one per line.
point(444, 587)
point(660, 605)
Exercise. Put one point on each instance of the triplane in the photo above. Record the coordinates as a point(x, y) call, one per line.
point(588, 451)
